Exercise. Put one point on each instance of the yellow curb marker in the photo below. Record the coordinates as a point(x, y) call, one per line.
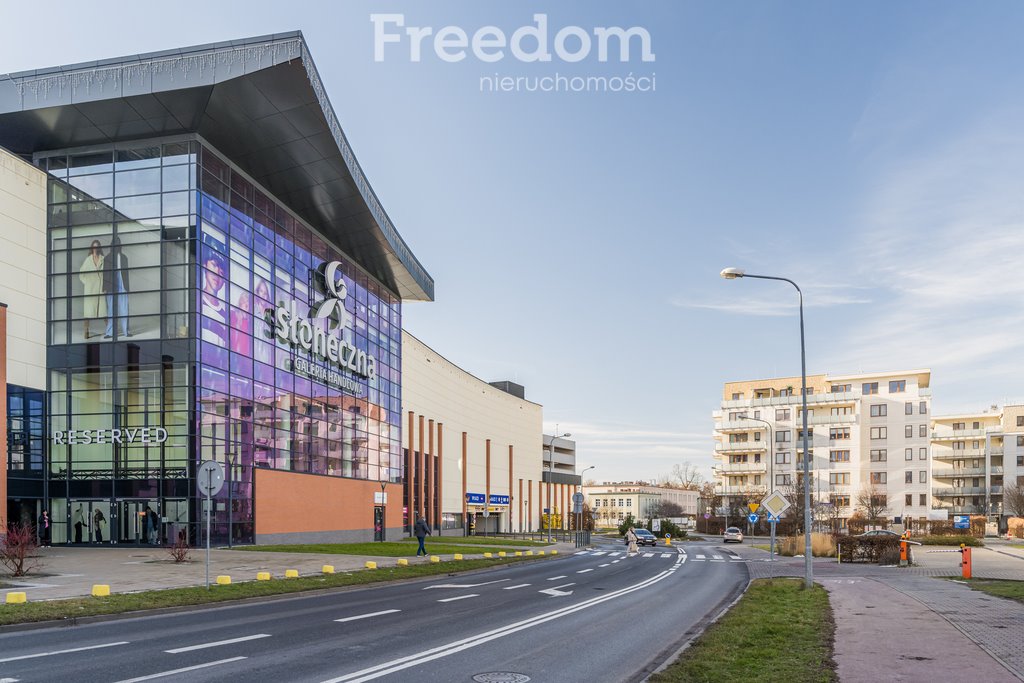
point(540, 552)
point(327, 569)
point(403, 563)
point(291, 573)
point(488, 555)
point(263, 576)
point(554, 552)
point(529, 553)
point(435, 558)
point(223, 580)
point(100, 590)
point(519, 553)
point(371, 565)
point(457, 556)
point(501, 554)
point(16, 598)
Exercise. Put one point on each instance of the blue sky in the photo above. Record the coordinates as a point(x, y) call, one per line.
point(873, 152)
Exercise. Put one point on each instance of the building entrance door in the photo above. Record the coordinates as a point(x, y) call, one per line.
point(137, 523)
point(90, 521)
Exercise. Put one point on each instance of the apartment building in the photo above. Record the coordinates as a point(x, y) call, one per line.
point(973, 456)
point(867, 434)
point(612, 502)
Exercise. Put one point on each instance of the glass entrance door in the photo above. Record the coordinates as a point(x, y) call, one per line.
point(89, 521)
point(137, 522)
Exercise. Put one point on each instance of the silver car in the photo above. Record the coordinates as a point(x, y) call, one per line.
point(732, 534)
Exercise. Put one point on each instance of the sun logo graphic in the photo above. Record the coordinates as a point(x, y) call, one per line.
point(335, 292)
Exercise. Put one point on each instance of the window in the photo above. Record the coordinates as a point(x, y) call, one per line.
point(1020, 420)
point(908, 477)
point(959, 426)
point(800, 433)
point(629, 502)
point(878, 410)
point(908, 499)
point(809, 391)
point(879, 433)
point(734, 416)
point(842, 410)
point(923, 408)
point(908, 431)
point(1020, 461)
point(839, 456)
point(877, 478)
point(922, 454)
point(879, 455)
point(620, 503)
point(738, 438)
point(839, 477)
point(922, 430)
point(908, 409)
point(839, 433)
point(908, 454)
point(840, 501)
point(922, 477)
point(757, 414)
point(869, 388)
point(782, 458)
point(923, 498)
point(841, 388)
point(757, 436)
point(897, 386)
point(782, 415)
point(960, 445)
point(782, 480)
point(782, 436)
point(757, 480)
point(1020, 440)
point(976, 425)
point(737, 396)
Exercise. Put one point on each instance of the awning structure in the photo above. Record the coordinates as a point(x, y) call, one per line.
point(257, 100)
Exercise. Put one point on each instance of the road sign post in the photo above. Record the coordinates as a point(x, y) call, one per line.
point(210, 480)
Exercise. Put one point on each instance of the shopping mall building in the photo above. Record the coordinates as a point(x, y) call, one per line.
point(195, 268)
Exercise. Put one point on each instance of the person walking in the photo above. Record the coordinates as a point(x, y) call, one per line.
point(44, 529)
point(421, 530)
point(631, 540)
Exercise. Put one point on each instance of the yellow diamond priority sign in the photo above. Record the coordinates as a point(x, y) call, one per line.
point(775, 503)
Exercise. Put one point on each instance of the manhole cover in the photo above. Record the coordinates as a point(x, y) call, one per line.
point(501, 677)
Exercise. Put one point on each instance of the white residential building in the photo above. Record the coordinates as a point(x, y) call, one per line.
point(865, 432)
point(611, 502)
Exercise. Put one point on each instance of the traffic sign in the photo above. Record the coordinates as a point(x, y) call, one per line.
point(707, 515)
point(775, 503)
point(656, 525)
point(752, 518)
point(210, 478)
point(753, 506)
point(773, 518)
point(577, 503)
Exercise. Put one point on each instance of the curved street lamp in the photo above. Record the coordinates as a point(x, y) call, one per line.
point(733, 274)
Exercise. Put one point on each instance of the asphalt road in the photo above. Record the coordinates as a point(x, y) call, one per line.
point(593, 616)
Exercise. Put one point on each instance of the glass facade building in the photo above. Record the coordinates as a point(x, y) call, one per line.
point(194, 315)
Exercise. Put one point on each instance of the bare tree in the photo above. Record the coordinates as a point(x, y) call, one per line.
point(873, 502)
point(666, 508)
point(684, 475)
point(1013, 500)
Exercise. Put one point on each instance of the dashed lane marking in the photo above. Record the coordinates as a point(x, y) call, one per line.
point(556, 578)
point(368, 615)
point(512, 588)
point(460, 597)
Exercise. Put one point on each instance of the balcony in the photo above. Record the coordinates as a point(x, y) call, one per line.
point(959, 491)
point(783, 401)
point(996, 490)
point(744, 447)
point(963, 434)
point(959, 472)
point(840, 420)
point(996, 469)
point(958, 455)
point(728, 468)
point(996, 450)
point(740, 426)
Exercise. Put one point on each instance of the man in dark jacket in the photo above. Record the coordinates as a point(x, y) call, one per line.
point(421, 530)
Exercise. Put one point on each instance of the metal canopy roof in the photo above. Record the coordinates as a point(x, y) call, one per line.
point(257, 100)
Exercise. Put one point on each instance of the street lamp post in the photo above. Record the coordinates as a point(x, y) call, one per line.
point(551, 461)
point(732, 274)
point(579, 518)
point(383, 513)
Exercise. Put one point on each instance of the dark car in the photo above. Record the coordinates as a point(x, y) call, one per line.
point(645, 537)
point(878, 532)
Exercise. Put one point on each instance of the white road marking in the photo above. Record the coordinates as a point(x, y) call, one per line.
point(8, 680)
point(203, 646)
point(556, 592)
point(460, 597)
point(603, 565)
point(61, 652)
point(615, 554)
point(179, 671)
point(598, 552)
point(556, 578)
point(616, 561)
point(700, 557)
point(409, 661)
point(716, 557)
point(648, 554)
point(584, 571)
point(666, 554)
point(463, 585)
point(367, 616)
point(521, 585)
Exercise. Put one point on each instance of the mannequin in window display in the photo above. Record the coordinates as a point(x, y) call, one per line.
point(98, 520)
point(79, 522)
point(91, 275)
point(116, 287)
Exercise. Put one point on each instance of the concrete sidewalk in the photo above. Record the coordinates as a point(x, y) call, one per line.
point(69, 572)
point(904, 624)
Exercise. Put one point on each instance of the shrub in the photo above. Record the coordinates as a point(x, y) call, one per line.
point(626, 523)
point(867, 548)
point(180, 551)
point(18, 549)
point(949, 540)
point(822, 545)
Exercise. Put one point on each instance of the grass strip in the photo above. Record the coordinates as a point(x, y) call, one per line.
point(1003, 588)
point(777, 632)
point(388, 549)
point(183, 597)
point(483, 540)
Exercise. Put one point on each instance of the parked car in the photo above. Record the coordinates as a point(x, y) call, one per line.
point(645, 537)
point(732, 534)
point(877, 532)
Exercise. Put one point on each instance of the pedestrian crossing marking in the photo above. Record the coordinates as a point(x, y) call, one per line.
point(648, 554)
point(666, 554)
point(700, 557)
